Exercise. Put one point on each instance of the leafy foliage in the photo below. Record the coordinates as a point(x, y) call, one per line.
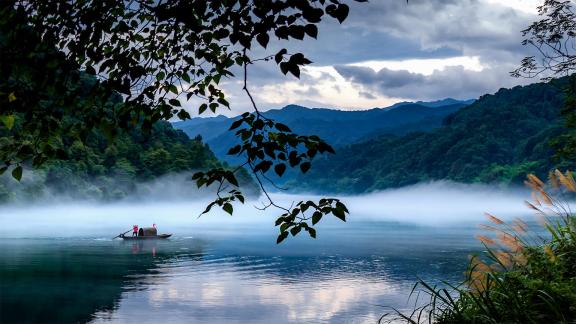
point(523, 278)
point(157, 55)
point(103, 170)
point(553, 37)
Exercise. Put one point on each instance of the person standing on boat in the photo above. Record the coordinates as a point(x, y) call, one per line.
point(135, 230)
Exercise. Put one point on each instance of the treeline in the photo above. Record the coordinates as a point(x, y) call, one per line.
point(109, 164)
point(102, 169)
point(498, 139)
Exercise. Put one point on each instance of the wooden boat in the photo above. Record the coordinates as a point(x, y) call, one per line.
point(150, 237)
point(147, 233)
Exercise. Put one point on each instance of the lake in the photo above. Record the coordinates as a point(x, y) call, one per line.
point(227, 269)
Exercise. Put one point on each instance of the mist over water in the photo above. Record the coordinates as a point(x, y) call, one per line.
point(228, 269)
point(175, 208)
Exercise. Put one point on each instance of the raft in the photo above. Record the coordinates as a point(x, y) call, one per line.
point(147, 233)
point(155, 237)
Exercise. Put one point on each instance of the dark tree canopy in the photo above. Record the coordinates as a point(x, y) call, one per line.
point(554, 38)
point(156, 55)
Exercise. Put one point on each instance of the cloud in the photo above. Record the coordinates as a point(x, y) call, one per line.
point(386, 78)
point(390, 51)
point(455, 81)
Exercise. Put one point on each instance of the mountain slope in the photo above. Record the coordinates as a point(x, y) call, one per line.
point(335, 126)
point(497, 139)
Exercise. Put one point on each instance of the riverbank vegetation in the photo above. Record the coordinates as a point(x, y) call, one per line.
point(524, 276)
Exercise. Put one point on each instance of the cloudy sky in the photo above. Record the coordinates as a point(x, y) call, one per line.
point(390, 51)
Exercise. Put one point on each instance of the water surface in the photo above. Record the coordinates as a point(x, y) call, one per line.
point(59, 264)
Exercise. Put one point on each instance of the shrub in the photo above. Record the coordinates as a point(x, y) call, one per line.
point(522, 278)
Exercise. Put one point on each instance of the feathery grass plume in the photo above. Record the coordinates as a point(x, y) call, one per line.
point(534, 179)
point(546, 197)
point(567, 180)
point(523, 278)
point(511, 242)
point(519, 225)
point(488, 227)
point(535, 198)
point(553, 180)
point(494, 219)
point(486, 240)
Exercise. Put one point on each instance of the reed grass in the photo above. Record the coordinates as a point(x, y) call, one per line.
point(521, 278)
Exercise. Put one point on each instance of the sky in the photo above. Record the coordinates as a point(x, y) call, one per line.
point(389, 51)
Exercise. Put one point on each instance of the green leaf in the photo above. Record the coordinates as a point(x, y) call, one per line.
point(280, 168)
point(11, 97)
point(8, 121)
point(174, 102)
point(160, 76)
point(173, 89)
point(304, 167)
point(17, 173)
point(235, 150)
point(311, 30)
point(231, 178)
point(202, 108)
point(342, 12)
point(295, 230)
point(282, 128)
point(228, 208)
point(186, 77)
point(280, 55)
point(312, 232)
point(263, 39)
point(316, 217)
point(281, 237)
point(342, 206)
point(339, 213)
point(294, 69)
point(236, 124)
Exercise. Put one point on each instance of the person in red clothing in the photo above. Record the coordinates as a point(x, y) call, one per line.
point(135, 230)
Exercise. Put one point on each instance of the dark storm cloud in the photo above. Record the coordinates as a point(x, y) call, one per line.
point(451, 82)
point(385, 77)
point(392, 30)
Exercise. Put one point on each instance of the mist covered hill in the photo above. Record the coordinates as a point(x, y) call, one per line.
point(337, 127)
point(498, 139)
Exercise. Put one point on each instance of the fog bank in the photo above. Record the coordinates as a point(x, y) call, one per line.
point(431, 204)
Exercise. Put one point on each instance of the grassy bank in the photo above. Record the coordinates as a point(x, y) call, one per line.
point(522, 277)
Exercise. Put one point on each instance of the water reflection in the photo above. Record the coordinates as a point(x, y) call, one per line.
point(244, 277)
point(69, 280)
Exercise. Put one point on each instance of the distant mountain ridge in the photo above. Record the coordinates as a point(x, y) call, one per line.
point(498, 139)
point(337, 127)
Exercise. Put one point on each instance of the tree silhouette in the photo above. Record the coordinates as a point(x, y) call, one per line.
point(554, 37)
point(156, 55)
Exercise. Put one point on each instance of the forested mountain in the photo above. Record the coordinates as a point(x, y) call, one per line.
point(499, 138)
point(79, 161)
point(337, 127)
point(104, 170)
point(108, 167)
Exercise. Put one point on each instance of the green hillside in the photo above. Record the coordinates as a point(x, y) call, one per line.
point(101, 170)
point(337, 127)
point(110, 168)
point(499, 138)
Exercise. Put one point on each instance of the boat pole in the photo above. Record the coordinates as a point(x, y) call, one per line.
point(121, 234)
